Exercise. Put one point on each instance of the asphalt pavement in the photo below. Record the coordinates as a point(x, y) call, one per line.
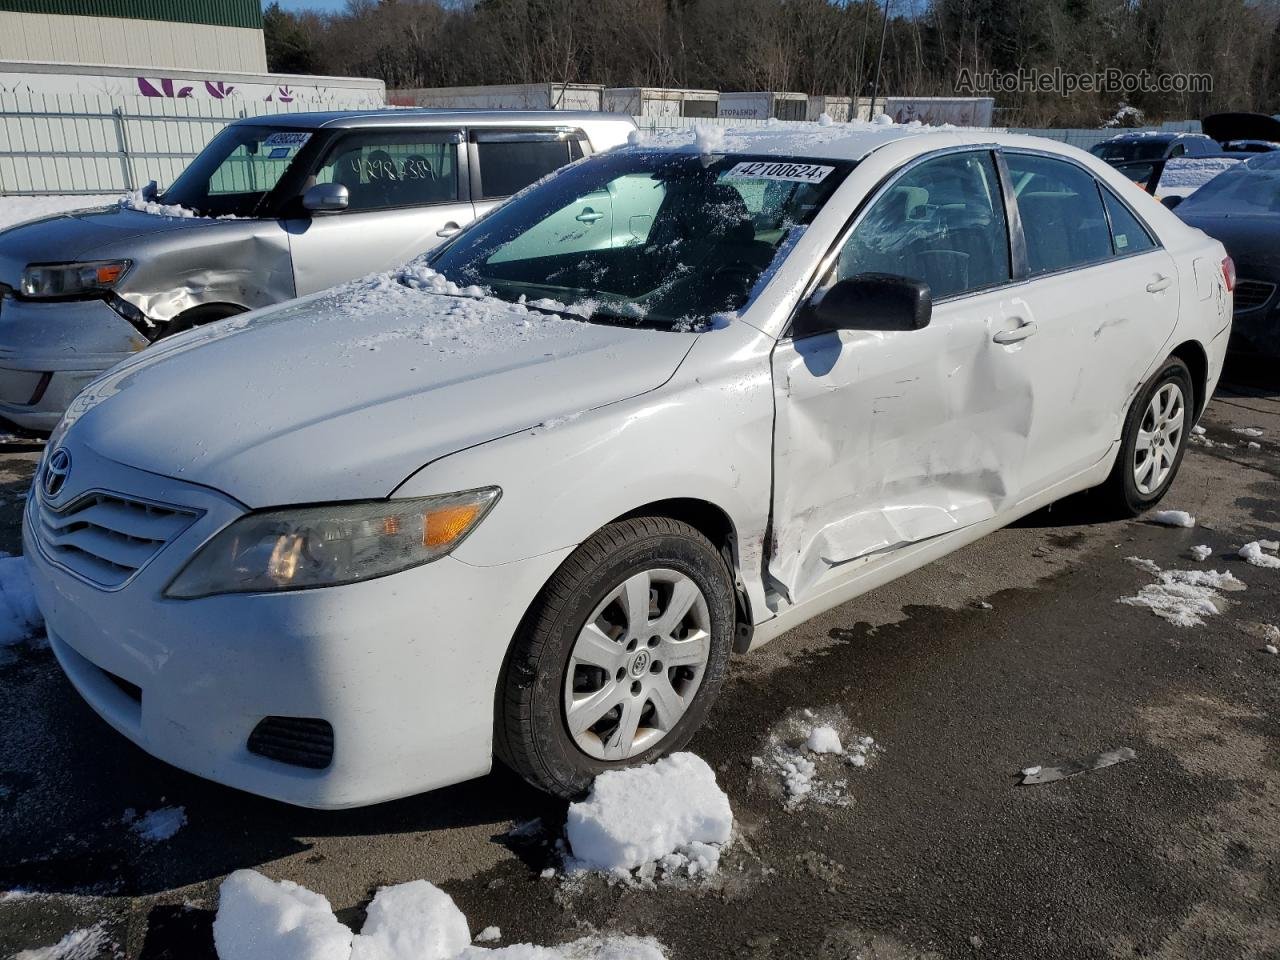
point(1011, 653)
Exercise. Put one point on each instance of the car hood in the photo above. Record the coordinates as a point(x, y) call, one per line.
point(1225, 127)
point(344, 395)
point(80, 235)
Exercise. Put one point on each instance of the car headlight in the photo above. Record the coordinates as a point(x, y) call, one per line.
point(72, 279)
point(325, 546)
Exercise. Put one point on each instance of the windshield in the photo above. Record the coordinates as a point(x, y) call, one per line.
point(1114, 151)
point(235, 172)
point(661, 239)
point(1247, 188)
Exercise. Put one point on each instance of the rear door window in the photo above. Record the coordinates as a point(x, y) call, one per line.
point(1061, 211)
point(510, 160)
point(1128, 235)
point(383, 170)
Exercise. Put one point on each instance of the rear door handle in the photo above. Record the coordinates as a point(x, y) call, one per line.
point(1158, 284)
point(589, 216)
point(448, 230)
point(1018, 333)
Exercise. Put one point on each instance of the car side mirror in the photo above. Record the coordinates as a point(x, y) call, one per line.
point(1172, 201)
point(326, 197)
point(868, 301)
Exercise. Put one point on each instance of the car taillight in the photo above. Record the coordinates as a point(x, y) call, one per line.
point(1229, 273)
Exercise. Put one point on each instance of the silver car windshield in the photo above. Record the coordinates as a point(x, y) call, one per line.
point(233, 175)
point(646, 237)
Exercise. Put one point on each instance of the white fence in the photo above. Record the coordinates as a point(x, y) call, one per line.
point(76, 144)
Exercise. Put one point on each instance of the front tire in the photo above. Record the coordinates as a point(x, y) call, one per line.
point(1153, 442)
point(620, 658)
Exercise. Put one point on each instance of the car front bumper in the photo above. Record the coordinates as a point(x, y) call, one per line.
point(404, 667)
point(50, 351)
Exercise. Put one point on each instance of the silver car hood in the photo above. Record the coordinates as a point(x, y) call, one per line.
point(344, 395)
point(83, 234)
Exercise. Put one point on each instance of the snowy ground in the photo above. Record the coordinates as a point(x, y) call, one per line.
point(15, 210)
point(1012, 654)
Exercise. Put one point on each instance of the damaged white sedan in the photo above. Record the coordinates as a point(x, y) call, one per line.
point(523, 498)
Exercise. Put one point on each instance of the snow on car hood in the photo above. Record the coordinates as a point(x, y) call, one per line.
point(345, 394)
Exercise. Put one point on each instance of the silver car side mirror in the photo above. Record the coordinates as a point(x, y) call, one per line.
point(326, 197)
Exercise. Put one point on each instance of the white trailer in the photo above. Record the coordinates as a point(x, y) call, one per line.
point(961, 111)
point(510, 96)
point(26, 77)
point(764, 105)
point(661, 102)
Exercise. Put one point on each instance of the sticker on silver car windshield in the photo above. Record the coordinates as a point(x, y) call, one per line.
point(283, 142)
point(779, 170)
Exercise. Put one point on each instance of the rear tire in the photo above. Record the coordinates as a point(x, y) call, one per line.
point(1154, 440)
point(620, 657)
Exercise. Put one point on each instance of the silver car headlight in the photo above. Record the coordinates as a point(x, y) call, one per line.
point(72, 279)
point(325, 546)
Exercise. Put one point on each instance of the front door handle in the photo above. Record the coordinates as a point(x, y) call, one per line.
point(448, 230)
point(1159, 283)
point(589, 216)
point(1018, 333)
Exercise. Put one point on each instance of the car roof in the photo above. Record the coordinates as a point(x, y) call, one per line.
point(392, 117)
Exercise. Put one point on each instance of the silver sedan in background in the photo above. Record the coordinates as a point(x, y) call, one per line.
point(273, 208)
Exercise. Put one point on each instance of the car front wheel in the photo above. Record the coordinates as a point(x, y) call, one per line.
point(621, 656)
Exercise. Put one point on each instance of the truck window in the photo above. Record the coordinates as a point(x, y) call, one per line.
point(511, 160)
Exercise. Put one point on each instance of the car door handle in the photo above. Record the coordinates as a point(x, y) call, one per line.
point(589, 216)
point(1020, 332)
point(1158, 284)
point(448, 230)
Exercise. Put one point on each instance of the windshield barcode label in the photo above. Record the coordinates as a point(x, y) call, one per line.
point(773, 170)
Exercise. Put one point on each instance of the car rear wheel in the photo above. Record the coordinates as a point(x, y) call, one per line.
point(621, 656)
point(1154, 441)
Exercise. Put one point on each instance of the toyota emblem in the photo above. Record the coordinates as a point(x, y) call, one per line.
point(55, 472)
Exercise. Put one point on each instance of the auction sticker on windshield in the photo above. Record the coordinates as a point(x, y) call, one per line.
point(774, 170)
point(283, 142)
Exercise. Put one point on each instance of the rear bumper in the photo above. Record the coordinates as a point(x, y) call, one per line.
point(50, 351)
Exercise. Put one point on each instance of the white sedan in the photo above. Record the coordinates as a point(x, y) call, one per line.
point(523, 498)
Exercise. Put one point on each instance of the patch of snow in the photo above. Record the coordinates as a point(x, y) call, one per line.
point(641, 815)
point(412, 921)
point(1173, 518)
point(1201, 553)
point(135, 201)
point(159, 825)
point(1182, 597)
point(814, 776)
point(1247, 431)
point(1272, 649)
point(1198, 431)
point(85, 944)
point(1254, 445)
point(16, 210)
point(825, 120)
point(883, 120)
point(1254, 553)
point(1030, 771)
point(823, 739)
point(1182, 176)
point(710, 139)
point(20, 618)
point(261, 919)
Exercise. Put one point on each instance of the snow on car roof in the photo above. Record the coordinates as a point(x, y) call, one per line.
point(829, 140)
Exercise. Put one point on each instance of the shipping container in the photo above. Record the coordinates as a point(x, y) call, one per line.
point(661, 102)
point(510, 96)
point(764, 106)
point(961, 111)
point(837, 108)
point(160, 83)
